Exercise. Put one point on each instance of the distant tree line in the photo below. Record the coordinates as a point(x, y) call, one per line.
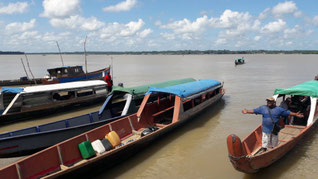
point(10, 52)
point(189, 52)
point(182, 52)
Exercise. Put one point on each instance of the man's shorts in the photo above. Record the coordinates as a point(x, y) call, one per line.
point(269, 140)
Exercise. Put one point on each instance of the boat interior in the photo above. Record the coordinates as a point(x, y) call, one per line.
point(291, 126)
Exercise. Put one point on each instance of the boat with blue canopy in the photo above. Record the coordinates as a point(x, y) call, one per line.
point(119, 103)
point(161, 110)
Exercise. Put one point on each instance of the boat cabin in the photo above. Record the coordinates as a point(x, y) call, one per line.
point(65, 71)
point(122, 101)
point(164, 106)
point(300, 98)
point(34, 98)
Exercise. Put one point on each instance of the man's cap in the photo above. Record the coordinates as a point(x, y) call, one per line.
point(270, 99)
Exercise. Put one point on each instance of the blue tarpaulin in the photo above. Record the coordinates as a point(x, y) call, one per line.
point(11, 90)
point(186, 89)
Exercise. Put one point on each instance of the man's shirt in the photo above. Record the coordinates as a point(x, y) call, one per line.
point(267, 121)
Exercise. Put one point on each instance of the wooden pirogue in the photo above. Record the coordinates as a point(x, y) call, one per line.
point(170, 107)
point(246, 155)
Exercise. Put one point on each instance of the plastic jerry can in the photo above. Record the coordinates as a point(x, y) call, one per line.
point(98, 146)
point(113, 138)
point(86, 149)
point(107, 145)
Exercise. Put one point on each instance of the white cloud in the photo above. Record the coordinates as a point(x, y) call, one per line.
point(11, 8)
point(145, 33)
point(295, 32)
point(132, 27)
point(221, 41)
point(186, 26)
point(116, 31)
point(20, 27)
point(168, 36)
point(257, 38)
point(60, 8)
point(274, 27)
point(122, 6)
point(289, 43)
point(288, 7)
point(76, 21)
point(91, 24)
point(30, 34)
point(230, 19)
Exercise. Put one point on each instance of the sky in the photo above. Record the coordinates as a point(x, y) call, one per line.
point(157, 25)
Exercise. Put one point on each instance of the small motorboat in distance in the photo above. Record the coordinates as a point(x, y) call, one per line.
point(161, 110)
point(119, 103)
point(239, 61)
point(247, 156)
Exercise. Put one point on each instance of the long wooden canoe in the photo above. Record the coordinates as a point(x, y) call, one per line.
point(246, 155)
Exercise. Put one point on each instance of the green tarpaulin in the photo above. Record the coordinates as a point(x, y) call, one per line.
point(141, 90)
point(309, 88)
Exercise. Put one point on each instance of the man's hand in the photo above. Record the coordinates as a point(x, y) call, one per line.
point(244, 111)
point(300, 115)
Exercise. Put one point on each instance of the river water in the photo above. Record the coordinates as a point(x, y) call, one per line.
point(197, 149)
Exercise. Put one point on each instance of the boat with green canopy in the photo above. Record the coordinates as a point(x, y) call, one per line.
point(239, 61)
point(246, 155)
point(119, 103)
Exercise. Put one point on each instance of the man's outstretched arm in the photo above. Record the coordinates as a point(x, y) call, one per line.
point(245, 111)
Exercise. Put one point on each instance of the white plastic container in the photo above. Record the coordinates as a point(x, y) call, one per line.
point(98, 146)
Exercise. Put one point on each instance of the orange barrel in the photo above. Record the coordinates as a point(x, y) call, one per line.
point(113, 138)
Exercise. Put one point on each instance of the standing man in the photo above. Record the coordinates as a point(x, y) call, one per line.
point(109, 81)
point(270, 140)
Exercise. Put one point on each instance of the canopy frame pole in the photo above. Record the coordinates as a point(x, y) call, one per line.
point(85, 55)
point(24, 68)
point(11, 104)
point(57, 43)
point(26, 57)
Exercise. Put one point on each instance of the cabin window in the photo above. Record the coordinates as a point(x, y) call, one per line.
point(7, 98)
point(187, 105)
point(197, 100)
point(65, 95)
point(85, 92)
